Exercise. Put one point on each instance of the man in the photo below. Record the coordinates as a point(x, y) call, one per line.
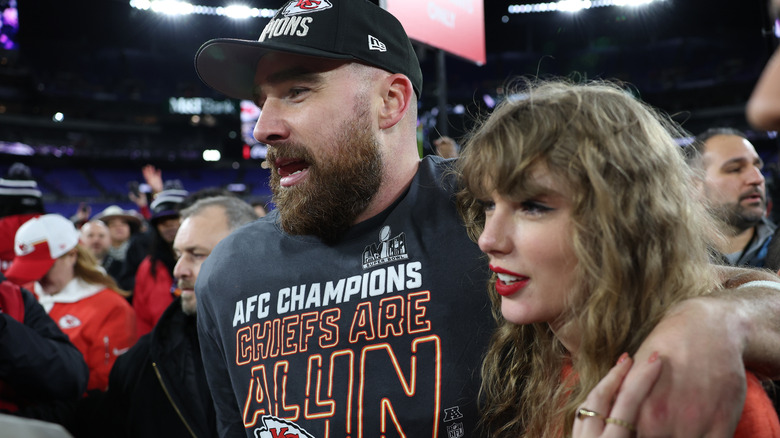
point(357, 307)
point(94, 235)
point(733, 186)
point(158, 388)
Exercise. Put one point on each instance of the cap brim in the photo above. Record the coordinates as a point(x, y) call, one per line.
point(26, 270)
point(127, 217)
point(164, 215)
point(229, 65)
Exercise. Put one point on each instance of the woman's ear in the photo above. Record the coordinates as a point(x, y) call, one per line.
point(397, 97)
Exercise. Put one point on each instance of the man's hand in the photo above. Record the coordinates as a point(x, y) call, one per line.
point(702, 386)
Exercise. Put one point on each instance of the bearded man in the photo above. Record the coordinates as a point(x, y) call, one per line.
point(734, 188)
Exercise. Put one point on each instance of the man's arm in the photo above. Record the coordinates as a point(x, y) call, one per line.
point(38, 357)
point(707, 343)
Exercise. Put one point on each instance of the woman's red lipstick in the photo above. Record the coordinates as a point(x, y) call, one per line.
point(506, 289)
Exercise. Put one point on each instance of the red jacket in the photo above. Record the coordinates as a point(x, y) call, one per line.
point(99, 322)
point(152, 294)
point(759, 418)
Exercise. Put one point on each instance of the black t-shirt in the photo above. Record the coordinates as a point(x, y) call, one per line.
point(380, 334)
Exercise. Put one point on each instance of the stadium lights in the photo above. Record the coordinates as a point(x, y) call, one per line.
point(174, 7)
point(573, 5)
point(211, 155)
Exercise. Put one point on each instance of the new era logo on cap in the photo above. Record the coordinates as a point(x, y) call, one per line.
point(375, 44)
point(305, 6)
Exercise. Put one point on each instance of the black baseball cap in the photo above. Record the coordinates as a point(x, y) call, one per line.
point(337, 29)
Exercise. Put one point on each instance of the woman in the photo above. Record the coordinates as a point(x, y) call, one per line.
point(582, 202)
point(76, 293)
point(155, 288)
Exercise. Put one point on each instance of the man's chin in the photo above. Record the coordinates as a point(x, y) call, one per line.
point(188, 302)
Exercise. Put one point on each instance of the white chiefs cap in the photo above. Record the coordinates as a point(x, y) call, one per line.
point(38, 243)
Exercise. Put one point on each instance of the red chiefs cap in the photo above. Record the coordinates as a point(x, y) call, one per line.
point(38, 243)
point(337, 29)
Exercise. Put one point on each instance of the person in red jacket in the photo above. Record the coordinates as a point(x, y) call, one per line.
point(79, 296)
point(20, 201)
point(155, 288)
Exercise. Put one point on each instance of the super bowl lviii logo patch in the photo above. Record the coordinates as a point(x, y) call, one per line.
point(388, 249)
point(298, 7)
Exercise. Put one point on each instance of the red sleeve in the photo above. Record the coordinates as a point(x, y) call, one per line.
point(151, 296)
point(145, 212)
point(111, 337)
point(759, 418)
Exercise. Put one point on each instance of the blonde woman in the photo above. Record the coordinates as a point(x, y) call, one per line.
point(580, 198)
point(76, 293)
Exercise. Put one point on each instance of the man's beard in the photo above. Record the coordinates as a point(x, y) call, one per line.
point(736, 217)
point(188, 303)
point(338, 187)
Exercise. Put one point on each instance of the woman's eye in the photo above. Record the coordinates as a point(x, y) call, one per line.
point(534, 207)
point(487, 205)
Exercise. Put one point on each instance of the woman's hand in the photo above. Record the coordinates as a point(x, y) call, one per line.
point(611, 410)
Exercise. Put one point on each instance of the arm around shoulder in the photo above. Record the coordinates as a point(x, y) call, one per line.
point(712, 339)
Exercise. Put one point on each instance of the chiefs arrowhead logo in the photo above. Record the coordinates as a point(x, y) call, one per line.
point(23, 248)
point(298, 7)
point(274, 427)
point(68, 321)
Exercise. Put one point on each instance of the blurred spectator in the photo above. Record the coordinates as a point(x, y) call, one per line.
point(20, 201)
point(260, 207)
point(446, 147)
point(123, 225)
point(154, 285)
point(158, 388)
point(74, 291)
point(82, 215)
point(39, 363)
point(94, 236)
point(734, 188)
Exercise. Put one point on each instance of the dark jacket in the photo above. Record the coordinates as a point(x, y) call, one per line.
point(37, 360)
point(156, 389)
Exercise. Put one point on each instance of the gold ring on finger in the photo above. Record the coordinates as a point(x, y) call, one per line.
point(621, 423)
point(583, 413)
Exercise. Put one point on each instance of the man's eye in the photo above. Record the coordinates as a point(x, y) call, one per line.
point(296, 92)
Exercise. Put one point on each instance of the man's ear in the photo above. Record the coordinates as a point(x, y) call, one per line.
point(396, 99)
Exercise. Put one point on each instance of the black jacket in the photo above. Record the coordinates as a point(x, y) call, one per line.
point(156, 389)
point(37, 360)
